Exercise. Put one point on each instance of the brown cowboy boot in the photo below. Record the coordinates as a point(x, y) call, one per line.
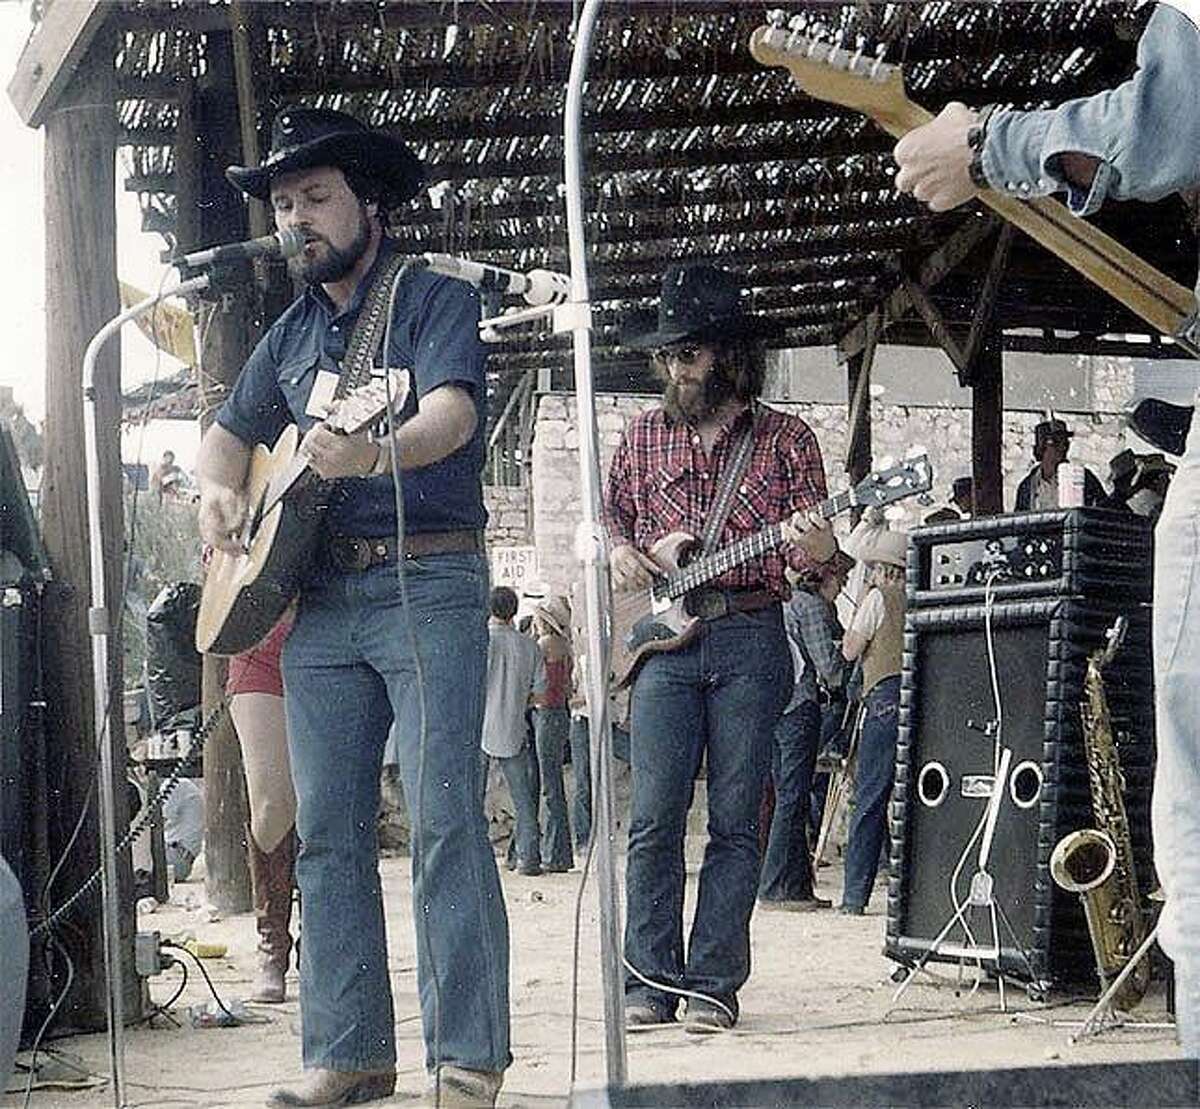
point(272, 877)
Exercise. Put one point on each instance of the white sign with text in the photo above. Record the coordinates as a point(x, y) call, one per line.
point(516, 567)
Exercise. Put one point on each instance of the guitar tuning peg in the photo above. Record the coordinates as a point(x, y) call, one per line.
point(858, 53)
point(836, 53)
point(777, 17)
point(880, 51)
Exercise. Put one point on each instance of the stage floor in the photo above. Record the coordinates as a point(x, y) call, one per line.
point(817, 1004)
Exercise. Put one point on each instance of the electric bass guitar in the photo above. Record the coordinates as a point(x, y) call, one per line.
point(650, 621)
point(244, 594)
point(868, 85)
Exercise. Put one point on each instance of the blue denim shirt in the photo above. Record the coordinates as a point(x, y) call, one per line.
point(435, 336)
point(1145, 132)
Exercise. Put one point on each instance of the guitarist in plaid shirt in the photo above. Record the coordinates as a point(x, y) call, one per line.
point(719, 696)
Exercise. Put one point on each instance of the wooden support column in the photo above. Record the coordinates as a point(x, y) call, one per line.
point(987, 426)
point(211, 211)
point(858, 390)
point(81, 296)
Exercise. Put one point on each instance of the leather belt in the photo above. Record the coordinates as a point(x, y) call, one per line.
point(712, 604)
point(353, 552)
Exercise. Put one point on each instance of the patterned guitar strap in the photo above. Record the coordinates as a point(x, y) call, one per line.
point(731, 475)
point(369, 329)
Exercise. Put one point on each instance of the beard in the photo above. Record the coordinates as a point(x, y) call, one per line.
point(692, 402)
point(335, 263)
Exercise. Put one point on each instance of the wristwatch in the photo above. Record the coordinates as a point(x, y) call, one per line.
point(976, 139)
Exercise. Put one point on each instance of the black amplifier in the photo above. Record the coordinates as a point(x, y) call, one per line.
point(1064, 552)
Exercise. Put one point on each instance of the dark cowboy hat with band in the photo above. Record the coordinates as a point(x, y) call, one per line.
point(304, 138)
point(701, 303)
point(1050, 431)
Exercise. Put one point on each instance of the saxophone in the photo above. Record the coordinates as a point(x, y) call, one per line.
point(1097, 863)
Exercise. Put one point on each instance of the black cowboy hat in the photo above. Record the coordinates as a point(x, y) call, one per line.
point(302, 138)
point(700, 302)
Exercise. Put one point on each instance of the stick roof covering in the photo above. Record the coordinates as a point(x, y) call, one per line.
point(694, 149)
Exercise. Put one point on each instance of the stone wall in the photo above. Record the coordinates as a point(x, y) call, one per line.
point(898, 430)
point(508, 515)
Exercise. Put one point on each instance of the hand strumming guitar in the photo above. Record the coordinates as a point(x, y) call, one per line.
point(631, 569)
point(222, 514)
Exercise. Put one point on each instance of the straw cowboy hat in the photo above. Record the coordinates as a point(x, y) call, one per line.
point(556, 612)
point(303, 138)
point(700, 302)
point(883, 545)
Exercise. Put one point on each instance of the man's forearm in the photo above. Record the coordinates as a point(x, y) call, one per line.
point(444, 422)
point(223, 459)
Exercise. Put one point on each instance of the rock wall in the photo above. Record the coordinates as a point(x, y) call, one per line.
point(943, 432)
point(508, 515)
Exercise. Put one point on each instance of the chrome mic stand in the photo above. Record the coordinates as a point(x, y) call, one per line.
point(101, 624)
point(575, 316)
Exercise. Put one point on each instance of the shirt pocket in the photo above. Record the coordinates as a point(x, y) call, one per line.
point(668, 502)
point(755, 504)
point(296, 373)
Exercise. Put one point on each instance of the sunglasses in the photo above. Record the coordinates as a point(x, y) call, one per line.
point(686, 354)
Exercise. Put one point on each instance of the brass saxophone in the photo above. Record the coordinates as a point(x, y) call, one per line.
point(1097, 863)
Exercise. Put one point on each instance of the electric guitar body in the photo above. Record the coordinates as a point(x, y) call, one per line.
point(651, 621)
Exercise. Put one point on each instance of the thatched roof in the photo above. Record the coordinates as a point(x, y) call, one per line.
point(694, 150)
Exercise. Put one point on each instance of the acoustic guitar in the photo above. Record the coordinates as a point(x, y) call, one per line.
point(245, 594)
point(650, 621)
point(868, 85)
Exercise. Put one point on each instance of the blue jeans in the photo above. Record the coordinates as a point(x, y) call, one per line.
point(521, 775)
point(787, 868)
point(581, 768)
point(721, 694)
point(874, 772)
point(348, 669)
point(550, 729)
point(1174, 809)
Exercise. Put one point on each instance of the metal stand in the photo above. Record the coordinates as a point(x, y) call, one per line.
point(982, 895)
point(1101, 1014)
point(102, 623)
point(575, 316)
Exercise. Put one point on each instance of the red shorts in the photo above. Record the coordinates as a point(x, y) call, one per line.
point(257, 670)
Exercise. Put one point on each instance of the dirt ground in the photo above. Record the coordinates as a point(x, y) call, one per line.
point(818, 1003)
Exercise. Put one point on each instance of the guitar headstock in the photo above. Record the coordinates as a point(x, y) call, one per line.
point(826, 71)
point(361, 407)
point(906, 479)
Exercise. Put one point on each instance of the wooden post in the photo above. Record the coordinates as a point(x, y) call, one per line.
point(987, 425)
point(81, 296)
point(211, 211)
point(858, 391)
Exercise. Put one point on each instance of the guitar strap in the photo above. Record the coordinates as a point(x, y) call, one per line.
point(732, 473)
point(369, 328)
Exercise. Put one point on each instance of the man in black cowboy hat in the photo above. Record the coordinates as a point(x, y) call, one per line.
point(366, 648)
point(720, 695)
point(1039, 489)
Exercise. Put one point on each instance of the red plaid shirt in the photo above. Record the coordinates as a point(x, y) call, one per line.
point(661, 481)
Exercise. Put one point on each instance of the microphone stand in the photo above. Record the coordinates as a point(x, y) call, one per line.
point(102, 623)
point(576, 316)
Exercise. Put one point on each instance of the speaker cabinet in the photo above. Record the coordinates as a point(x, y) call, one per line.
point(1009, 673)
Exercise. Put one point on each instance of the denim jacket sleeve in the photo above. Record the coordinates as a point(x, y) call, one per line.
point(1145, 132)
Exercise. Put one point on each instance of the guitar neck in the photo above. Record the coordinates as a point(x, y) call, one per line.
point(713, 565)
point(1160, 301)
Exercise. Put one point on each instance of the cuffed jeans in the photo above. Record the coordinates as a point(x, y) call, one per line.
point(581, 769)
point(1175, 807)
point(348, 668)
point(787, 868)
point(551, 727)
point(723, 694)
point(874, 772)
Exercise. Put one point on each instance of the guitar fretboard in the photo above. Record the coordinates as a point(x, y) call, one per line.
point(711, 566)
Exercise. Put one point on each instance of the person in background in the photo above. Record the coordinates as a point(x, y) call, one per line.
point(1039, 489)
point(551, 728)
point(961, 506)
point(515, 675)
point(581, 750)
point(254, 686)
point(166, 478)
point(811, 624)
point(876, 637)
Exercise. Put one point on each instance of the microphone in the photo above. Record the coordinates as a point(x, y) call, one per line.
point(537, 286)
point(282, 244)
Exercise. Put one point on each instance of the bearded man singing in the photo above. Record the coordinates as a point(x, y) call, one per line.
point(720, 695)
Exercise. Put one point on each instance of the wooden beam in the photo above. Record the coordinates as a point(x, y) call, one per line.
point(858, 389)
point(47, 64)
point(938, 327)
point(949, 255)
point(987, 428)
point(985, 306)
